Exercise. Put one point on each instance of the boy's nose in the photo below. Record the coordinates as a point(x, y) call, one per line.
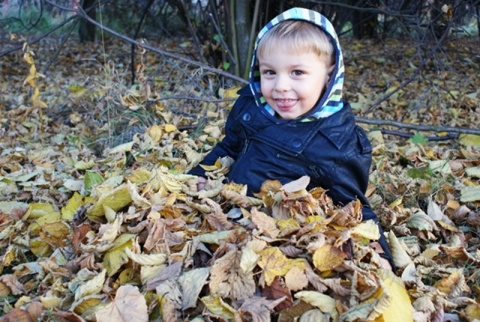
point(282, 84)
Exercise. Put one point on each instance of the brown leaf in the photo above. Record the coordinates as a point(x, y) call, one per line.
point(296, 279)
point(79, 236)
point(18, 315)
point(278, 290)
point(12, 283)
point(129, 305)
point(170, 272)
point(265, 223)
point(228, 280)
point(257, 309)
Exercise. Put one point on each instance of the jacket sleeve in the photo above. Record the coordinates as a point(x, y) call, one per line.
point(230, 145)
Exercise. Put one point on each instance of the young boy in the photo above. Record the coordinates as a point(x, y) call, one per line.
point(291, 120)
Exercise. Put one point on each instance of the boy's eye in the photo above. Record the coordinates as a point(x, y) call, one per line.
point(268, 72)
point(297, 72)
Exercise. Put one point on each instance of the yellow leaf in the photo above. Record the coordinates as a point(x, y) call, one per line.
point(367, 229)
point(323, 302)
point(33, 70)
point(396, 203)
point(170, 128)
point(35, 226)
point(209, 167)
point(55, 233)
point(85, 165)
point(90, 287)
point(450, 284)
point(470, 140)
point(37, 210)
point(328, 257)
point(472, 311)
point(217, 306)
point(87, 304)
point(115, 199)
point(51, 302)
point(400, 304)
point(72, 206)
point(155, 133)
point(146, 259)
point(40, 248)
point(28, 58)
point(229, 92)
point(4, 289)
point(275, 263)
point(117, 256)
point(8, 257)
point(127, 276)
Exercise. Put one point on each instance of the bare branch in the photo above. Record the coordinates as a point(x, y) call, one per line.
point(427, 128)
point(162, 52)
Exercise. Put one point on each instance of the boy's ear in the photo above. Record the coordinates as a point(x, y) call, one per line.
point(330, 71)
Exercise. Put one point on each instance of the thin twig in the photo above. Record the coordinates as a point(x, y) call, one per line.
point(427, 128)
point(410, 135)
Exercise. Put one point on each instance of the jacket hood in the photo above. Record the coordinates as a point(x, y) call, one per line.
point(331, 100)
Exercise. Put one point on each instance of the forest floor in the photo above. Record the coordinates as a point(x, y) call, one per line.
point(95, 206)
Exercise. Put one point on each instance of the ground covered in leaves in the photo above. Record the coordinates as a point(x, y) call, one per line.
point(99, 222)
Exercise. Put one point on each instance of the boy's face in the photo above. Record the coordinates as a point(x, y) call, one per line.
point(292, 82)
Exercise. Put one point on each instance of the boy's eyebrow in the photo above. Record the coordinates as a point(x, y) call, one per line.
point(300, 65)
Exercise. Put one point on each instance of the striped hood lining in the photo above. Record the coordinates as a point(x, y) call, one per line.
point(331, 100)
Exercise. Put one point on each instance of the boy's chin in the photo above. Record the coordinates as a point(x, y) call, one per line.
point(288, 116)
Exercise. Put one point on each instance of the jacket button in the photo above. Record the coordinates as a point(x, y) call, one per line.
point(296, 143)
point(246, 117)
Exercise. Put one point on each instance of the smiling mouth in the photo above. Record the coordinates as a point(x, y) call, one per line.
point(285, 104)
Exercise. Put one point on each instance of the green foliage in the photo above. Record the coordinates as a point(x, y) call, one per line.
point(420, 173)
point(418, 139)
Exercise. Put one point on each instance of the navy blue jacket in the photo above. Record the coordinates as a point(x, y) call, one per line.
point(324, 144)
point(334, 152)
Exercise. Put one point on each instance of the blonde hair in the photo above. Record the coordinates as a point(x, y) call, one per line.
point(297, 36)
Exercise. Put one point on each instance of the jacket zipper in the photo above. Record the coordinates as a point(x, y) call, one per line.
point(247, 142)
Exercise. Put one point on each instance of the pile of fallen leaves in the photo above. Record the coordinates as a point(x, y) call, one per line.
point(125, 235)
point(141, 243)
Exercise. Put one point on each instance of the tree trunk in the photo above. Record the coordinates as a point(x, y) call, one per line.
point(86, 29)
point(365, 22)
point(243, 24)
